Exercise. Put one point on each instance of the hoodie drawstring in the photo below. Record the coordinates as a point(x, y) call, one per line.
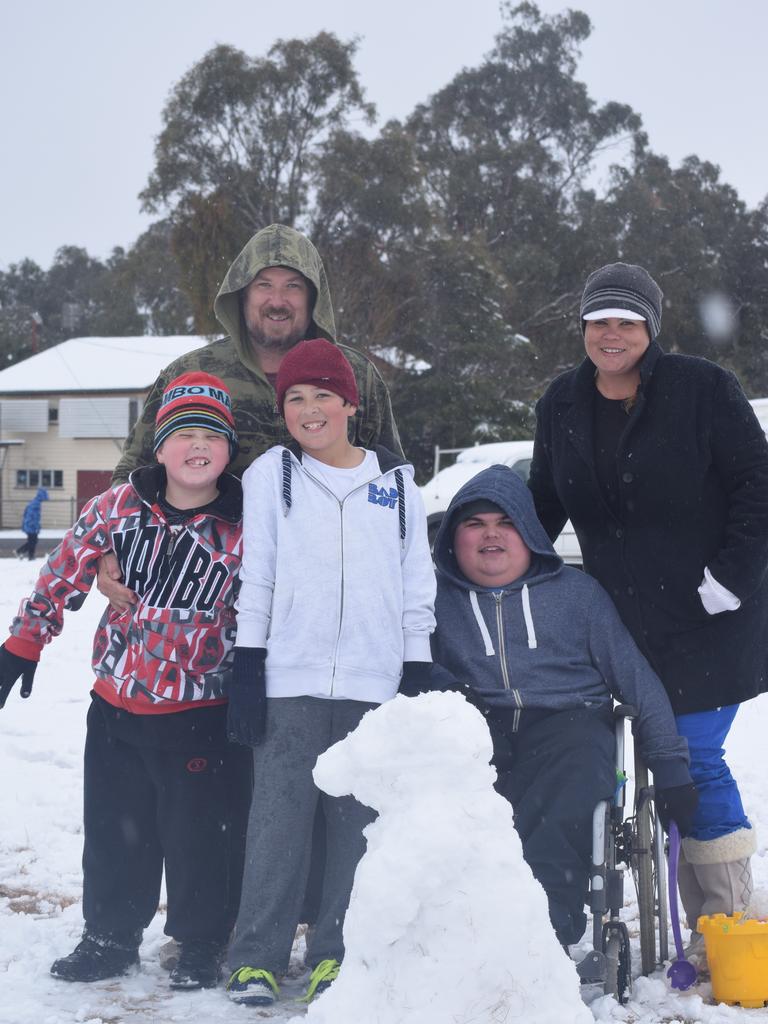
point(481, 623)
point(400, 484)
point(287, 500)
point(529, 627)
point(528, 619)
point(288, 497)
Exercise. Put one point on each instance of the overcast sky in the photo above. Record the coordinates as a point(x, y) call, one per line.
point(83, 84)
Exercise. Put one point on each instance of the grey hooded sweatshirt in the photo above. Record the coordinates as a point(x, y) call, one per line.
point(552, 640)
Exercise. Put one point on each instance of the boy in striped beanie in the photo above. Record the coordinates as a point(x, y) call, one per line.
point(164, 790)
point(194, 440)
point(196, 400)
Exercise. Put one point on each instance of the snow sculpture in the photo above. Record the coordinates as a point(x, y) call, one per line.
point(446, 922)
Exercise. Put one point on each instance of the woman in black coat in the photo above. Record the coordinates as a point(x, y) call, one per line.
point(662, 467)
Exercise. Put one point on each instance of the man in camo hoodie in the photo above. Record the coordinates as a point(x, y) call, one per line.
point(274, 295)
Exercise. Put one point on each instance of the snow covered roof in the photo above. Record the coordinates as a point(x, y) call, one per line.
point(97, 364)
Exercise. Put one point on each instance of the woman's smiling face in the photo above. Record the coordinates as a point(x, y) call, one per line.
point(615, 345)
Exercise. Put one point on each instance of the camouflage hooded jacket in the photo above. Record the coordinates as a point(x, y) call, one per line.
point(259, 426)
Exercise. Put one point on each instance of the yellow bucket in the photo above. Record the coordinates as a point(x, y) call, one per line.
point(737, 953)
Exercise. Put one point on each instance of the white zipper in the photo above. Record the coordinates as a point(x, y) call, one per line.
point(328, 491)
point(503, 657)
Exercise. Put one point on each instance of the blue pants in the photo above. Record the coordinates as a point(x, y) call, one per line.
point(720, 810)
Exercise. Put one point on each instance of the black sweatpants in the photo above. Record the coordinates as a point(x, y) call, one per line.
point(553, 772)
point(163, 790)
point(28, 547)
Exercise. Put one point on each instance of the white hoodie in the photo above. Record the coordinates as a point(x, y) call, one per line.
point(329, 587)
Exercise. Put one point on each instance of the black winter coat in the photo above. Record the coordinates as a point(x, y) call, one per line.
point(692, 478)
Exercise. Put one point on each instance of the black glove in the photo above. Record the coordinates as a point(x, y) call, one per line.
point(247, 693)
point(678, 803)
point(13, 666)
point(473, 697)
point(416, 678)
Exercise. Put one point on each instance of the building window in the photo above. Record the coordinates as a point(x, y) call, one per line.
point(133, 412)
point(94, 417)
point(39, 477)
point(53, 415)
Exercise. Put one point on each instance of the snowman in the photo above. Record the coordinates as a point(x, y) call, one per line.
point(446, 923)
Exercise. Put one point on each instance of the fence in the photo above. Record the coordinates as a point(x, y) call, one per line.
point(56, 513)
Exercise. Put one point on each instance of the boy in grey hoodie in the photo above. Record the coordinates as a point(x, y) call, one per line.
point(539, 647)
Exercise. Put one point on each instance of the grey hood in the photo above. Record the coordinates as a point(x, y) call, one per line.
point(503, 487)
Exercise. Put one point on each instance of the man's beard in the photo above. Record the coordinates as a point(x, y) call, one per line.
point(259, 339)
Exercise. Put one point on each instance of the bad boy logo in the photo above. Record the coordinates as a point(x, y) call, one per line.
point(382, 496)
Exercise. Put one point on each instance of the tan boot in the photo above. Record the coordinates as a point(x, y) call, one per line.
point(691, 893)
point(692, 897)
point(717, 879)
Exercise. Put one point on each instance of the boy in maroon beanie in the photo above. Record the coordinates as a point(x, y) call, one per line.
point(335, 607)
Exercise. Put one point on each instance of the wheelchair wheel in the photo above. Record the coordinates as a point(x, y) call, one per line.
point(649, 873)
point(618, 973)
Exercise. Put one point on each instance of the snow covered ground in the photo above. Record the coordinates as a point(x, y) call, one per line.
point(40, 845)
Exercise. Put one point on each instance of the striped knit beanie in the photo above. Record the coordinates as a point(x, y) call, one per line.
point(622, 290)
point(317, 362)
point(196, 400)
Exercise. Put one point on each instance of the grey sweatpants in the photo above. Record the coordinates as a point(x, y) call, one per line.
point(279, 843)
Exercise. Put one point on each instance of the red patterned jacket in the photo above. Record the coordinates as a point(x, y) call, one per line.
point(173, 649)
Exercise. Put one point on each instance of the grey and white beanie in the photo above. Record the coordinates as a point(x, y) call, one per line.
point(622, 290)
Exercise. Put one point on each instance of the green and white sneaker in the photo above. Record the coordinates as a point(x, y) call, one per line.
point(250, 986)
point(321, 978)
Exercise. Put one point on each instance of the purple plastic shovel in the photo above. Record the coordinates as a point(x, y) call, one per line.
point(682, 973)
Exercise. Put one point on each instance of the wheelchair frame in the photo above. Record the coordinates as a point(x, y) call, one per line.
point(636, 842)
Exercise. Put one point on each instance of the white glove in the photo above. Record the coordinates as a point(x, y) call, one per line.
point(715, 597)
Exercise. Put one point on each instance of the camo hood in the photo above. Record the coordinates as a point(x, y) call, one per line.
point(275, 246)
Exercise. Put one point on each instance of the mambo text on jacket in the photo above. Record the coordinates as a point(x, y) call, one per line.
point(180, 575)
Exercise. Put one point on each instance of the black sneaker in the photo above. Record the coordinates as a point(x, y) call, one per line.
point(199, 965)
point(95, 958)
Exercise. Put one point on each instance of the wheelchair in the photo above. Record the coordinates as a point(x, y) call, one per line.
point(621, 842)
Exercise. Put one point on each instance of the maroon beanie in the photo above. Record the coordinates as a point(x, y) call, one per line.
point(317, 362)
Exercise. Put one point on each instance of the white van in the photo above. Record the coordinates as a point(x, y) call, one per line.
point(437, 493)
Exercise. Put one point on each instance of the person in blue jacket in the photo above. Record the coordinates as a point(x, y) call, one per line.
point(539, 648)
point(30, 524)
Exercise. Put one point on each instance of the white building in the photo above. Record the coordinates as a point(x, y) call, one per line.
point(64, 415)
